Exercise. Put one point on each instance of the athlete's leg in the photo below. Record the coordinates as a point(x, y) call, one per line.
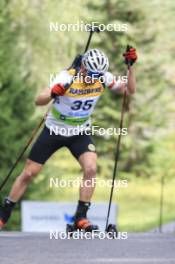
point(84, 150)
point(31, 169)
point(88, 163)
point(42, 149)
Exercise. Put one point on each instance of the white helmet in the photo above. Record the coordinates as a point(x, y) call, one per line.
point(96, 61)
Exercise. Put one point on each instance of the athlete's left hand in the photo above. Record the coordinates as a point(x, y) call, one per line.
point(57, 90)
point(130, 56)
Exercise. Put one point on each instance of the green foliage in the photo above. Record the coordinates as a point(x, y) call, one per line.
point(148, 111)
point(16, 94)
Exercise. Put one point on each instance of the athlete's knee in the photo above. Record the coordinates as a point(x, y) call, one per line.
point(27, 175)
point(90, 171)
point(29, 172)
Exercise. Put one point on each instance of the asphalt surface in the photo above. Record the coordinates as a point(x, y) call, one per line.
point(28, 248)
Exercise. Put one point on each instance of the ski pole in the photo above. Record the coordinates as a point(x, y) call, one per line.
point(116, 157)
point(117, 154)
point(35, 131)
point(92, 30)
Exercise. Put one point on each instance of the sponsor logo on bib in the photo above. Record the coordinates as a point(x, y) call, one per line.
point(91, 147)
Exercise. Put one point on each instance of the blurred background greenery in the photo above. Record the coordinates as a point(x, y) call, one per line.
point(29, 53)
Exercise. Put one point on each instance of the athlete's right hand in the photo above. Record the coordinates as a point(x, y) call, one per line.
point(130, 55)
point(57, 90)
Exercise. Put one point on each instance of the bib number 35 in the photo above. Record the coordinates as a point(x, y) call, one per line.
point(77, 105)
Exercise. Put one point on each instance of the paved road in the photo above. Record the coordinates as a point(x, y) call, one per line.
point(28, 248)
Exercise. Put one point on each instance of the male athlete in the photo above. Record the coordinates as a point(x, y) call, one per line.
point(74, 100)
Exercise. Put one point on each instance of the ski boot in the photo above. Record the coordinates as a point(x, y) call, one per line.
point(5, 212)
point(82, 224)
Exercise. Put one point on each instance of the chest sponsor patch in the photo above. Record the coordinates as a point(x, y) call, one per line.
point(79, 90)
point(85, 91)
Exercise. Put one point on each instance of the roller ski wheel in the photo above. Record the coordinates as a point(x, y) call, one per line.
point(112, 231)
